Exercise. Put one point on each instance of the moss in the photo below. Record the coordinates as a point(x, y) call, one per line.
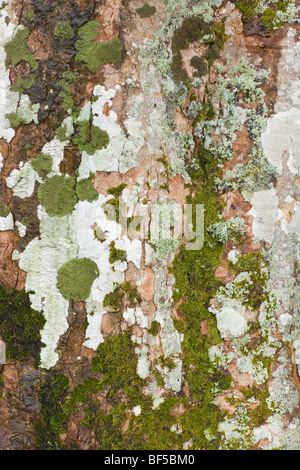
point(20, 324)
point(116, 192)
point(96, 54)
point(51, 395)
point(75, 278)
point(154, 328)
point(192, 28)
point(89, 138)
point(85, 190)
point(4, 210)
point(125, 292)
point(251, 291)
point(200, 66)
point(63, 30)
point(81, 394)
point(146, 11)
point(17, 50)
point(42, 164)
point(114, 299)
point(259, 414)
point(116, 254)
point(57, 195)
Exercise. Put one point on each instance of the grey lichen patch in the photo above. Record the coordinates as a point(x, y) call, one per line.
point(75, 278)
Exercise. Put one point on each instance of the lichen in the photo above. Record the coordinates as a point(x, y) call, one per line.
point(57, 195)
point(96, 54)
point(75, 278)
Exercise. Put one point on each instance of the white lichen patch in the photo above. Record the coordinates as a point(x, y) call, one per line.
point(8, 99)
point(264, 211)
point(122, 150)
point(6, 223)
point(231, 322)
point(283, 135)
point(22, 181)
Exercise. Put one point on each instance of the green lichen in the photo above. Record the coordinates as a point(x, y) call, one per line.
point(17, 50)
point(96, 54)
point(20, 324)
point(4, 210)
point(63, 30)
point(57, 195)
point(23, 84)
point(75, 278)
point(89, 138)
point(85, 190)
point(42, 164)
point(146, 11)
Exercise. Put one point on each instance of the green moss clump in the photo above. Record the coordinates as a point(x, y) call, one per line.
point(51, 396)
point(114, 299)
point(116, 254)
point(85, 190)
point(4, 210)
point(29, 15)
point(89, 138)
point(122, 292)
point(260, 414)
point(17, 50)
point(154, 328)
point(42, 164)
point(146, 11)
point(200, 65)
point(63, 30)
point(96, 54)
point(21, 325)
point(75, 278)
point(57, 195)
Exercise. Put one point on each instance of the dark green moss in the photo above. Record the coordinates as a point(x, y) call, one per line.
point(57, 195)
point(21, 325)
point(17, 50)
point(114, 299)
point(255, 287)
point(261, 412)
point(116, 254)
point(85, 190)
point(51, 395)
point(154, 328)
point(146, 11)
point(42, 164)
point(14, 120)
point(200, 66)
point(75, 278)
